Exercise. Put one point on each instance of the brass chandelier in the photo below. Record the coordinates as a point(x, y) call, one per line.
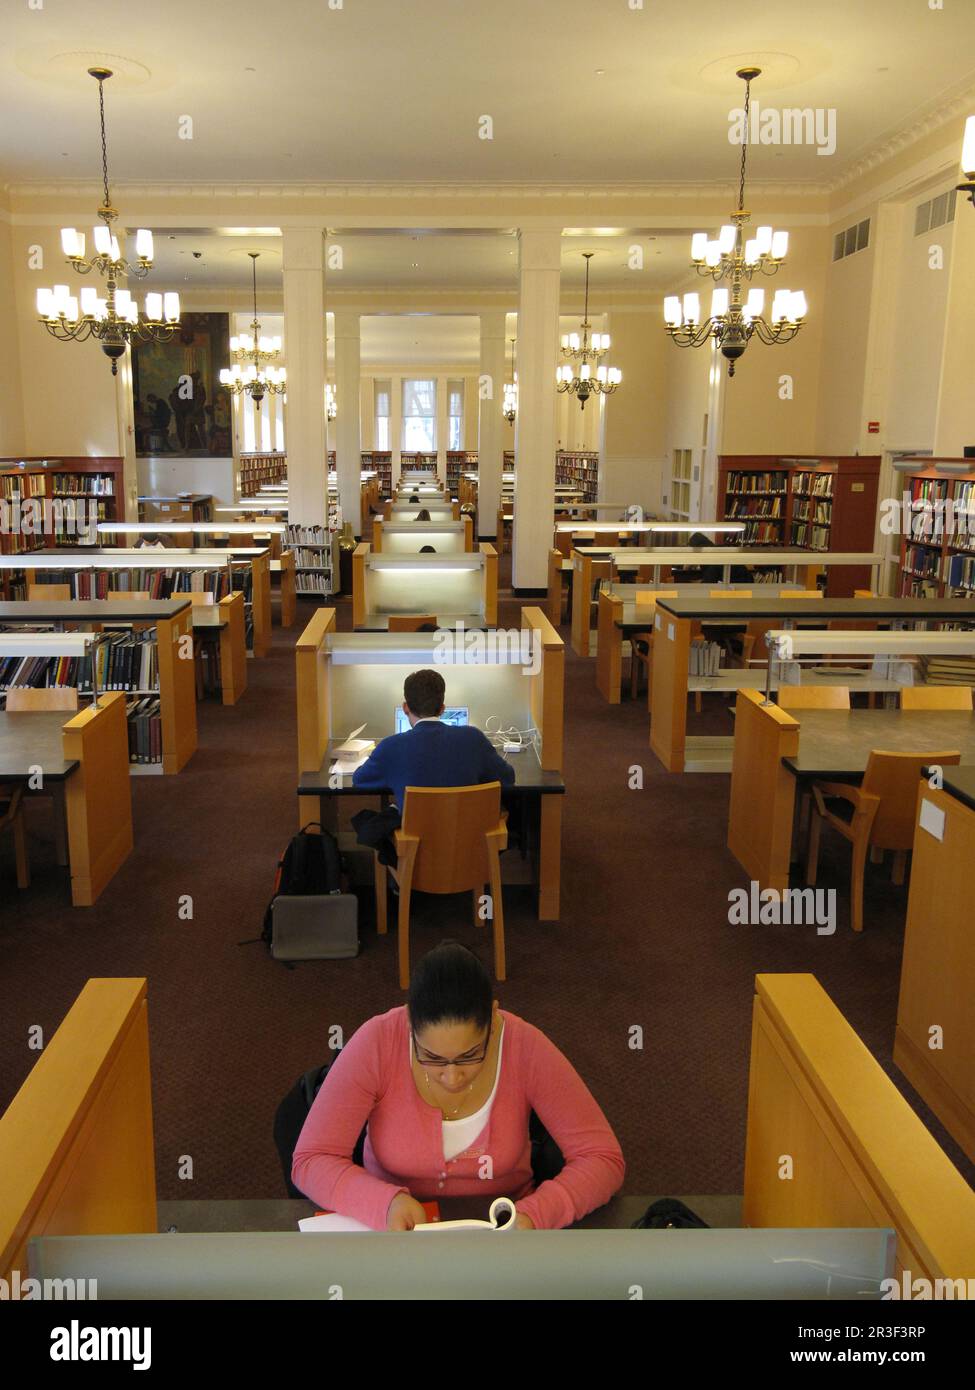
point(733, 322)
point(114, 319)
point(509, 406)
point(252, 373)
point(582, 354)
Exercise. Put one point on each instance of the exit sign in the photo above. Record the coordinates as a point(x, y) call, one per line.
point(873, 427)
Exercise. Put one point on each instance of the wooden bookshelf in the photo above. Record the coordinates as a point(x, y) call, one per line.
point(258, 470)
point(176, 688)
point(58, 481)
point(458, 462)
point(194, 506)
point(818, 504)
point(382, 461)
point(578, 469)
point(937, 555)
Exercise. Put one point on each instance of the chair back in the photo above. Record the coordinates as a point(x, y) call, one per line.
point(647, 599)
point(800, 593)
point(136, 595)
point(451, 823)
point(54, 593)
point(411, 622)
point(20, 698)
point(896, 779)
point(936, 697)
point(813, 697)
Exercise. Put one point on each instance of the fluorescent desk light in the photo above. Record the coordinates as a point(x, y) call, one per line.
point(45, 643)
point(785, 645)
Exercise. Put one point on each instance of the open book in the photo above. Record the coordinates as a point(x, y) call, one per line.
point(501, 1217)
point(352, 753)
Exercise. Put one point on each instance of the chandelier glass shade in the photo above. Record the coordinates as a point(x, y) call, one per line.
point(583, 373)
point(734, 318)
point(113, 318)
point(509, 405)
point(253, 373)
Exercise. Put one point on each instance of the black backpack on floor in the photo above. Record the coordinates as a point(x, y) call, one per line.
point(311, 865)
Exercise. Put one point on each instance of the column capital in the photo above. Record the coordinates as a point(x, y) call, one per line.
point(346, 323)
point(493, 323)
point(540, 250)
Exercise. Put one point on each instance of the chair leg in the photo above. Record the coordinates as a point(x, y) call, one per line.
point(476, 894)
point(856, 884)
point(697, 702)
point(379, 879)
point(634, 675)
point(812, 851)
point(876, 855)
point(899, 865)
point(405, 875)
point(497, 910)
point(20, 850)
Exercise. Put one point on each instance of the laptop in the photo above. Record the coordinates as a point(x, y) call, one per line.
point(457, 715)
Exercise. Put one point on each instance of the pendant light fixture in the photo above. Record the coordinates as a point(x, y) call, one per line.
point(509, 408)
point(113, 319)
point(582, 354)
point(252, 373)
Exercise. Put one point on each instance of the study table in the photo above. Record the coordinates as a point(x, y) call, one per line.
point(673, 621)
point(84, 759)
point(776, 751)
point(531, 786)
point(283, 1214)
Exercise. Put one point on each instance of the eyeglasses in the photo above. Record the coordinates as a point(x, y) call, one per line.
point(467, 1059)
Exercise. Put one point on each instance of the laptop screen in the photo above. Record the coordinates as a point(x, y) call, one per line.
point(453, 714)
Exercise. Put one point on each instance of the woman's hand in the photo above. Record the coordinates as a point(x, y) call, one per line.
point(404, 1213)
point(523, 1222)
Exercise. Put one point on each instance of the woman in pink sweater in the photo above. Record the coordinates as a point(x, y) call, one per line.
point(446, 1086)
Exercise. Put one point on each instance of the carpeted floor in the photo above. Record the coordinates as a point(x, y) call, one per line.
point(644, 940)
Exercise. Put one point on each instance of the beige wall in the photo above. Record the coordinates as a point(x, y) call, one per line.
point(955, 423)
point(846, 322)
point(916, 360)
point(11, 403)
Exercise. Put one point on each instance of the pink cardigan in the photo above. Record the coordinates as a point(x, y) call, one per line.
point(371, 1080)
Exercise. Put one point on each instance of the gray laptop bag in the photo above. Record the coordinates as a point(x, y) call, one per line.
point(315, 927)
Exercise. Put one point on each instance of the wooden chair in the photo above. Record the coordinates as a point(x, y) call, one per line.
point(641, 643)
point(936, 697)
point(411, 622)
point(53, 593)
point(12, 818)
point(813, 697)
point(884, 815)
point(450, 842)
point(136, 595)
point(54, 697)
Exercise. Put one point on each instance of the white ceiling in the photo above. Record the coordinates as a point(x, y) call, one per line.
point(385, 91)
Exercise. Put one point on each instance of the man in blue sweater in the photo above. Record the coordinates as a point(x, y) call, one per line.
point(431, 754)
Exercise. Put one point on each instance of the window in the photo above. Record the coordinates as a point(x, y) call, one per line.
point(382, 390)
point(455, 414)
point(419, 416)
point(680, 486)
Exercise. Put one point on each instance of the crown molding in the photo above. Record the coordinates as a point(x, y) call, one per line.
point(961, 104)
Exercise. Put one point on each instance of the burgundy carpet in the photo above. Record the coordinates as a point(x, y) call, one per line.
point(644, 941)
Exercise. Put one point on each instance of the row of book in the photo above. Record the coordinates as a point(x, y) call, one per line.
point(921, 560)
point(123, 661)
point(145, 730)
point(756, 482)
point(816, 484)
point(704, 657)
point(308, 582)
point(761, 533)
point(819, 512)
point(809, 536)
point(160, 584)
point(756, 506)
point(945, 670)
point(306, 535)
point(311, 559)
point(23, 485)
point(959, 571)
point(929, 489)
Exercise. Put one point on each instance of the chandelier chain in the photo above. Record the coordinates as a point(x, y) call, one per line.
point(744, 145)
point(101, 113)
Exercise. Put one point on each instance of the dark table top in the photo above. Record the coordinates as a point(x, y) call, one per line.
point(770, 606)
point(92, 611)
point(32, 739)
point(530, 778)
point(837, 743)
point(959, 782)
point(283, 1214)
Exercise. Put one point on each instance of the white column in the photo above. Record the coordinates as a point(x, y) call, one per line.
point(304, 346)
point(395, 424)
point(535, 427)
point(348, 438)
point(492, 428)
point(443, 427)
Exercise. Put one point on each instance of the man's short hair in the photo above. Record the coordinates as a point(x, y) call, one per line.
point(424, 693)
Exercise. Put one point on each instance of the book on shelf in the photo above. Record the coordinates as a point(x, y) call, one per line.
point(125, 661)
point(704, 657)
point(763, 481)
point(144, 720)
point(813, 484)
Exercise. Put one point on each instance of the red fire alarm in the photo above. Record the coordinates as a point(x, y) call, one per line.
point(873, 427)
